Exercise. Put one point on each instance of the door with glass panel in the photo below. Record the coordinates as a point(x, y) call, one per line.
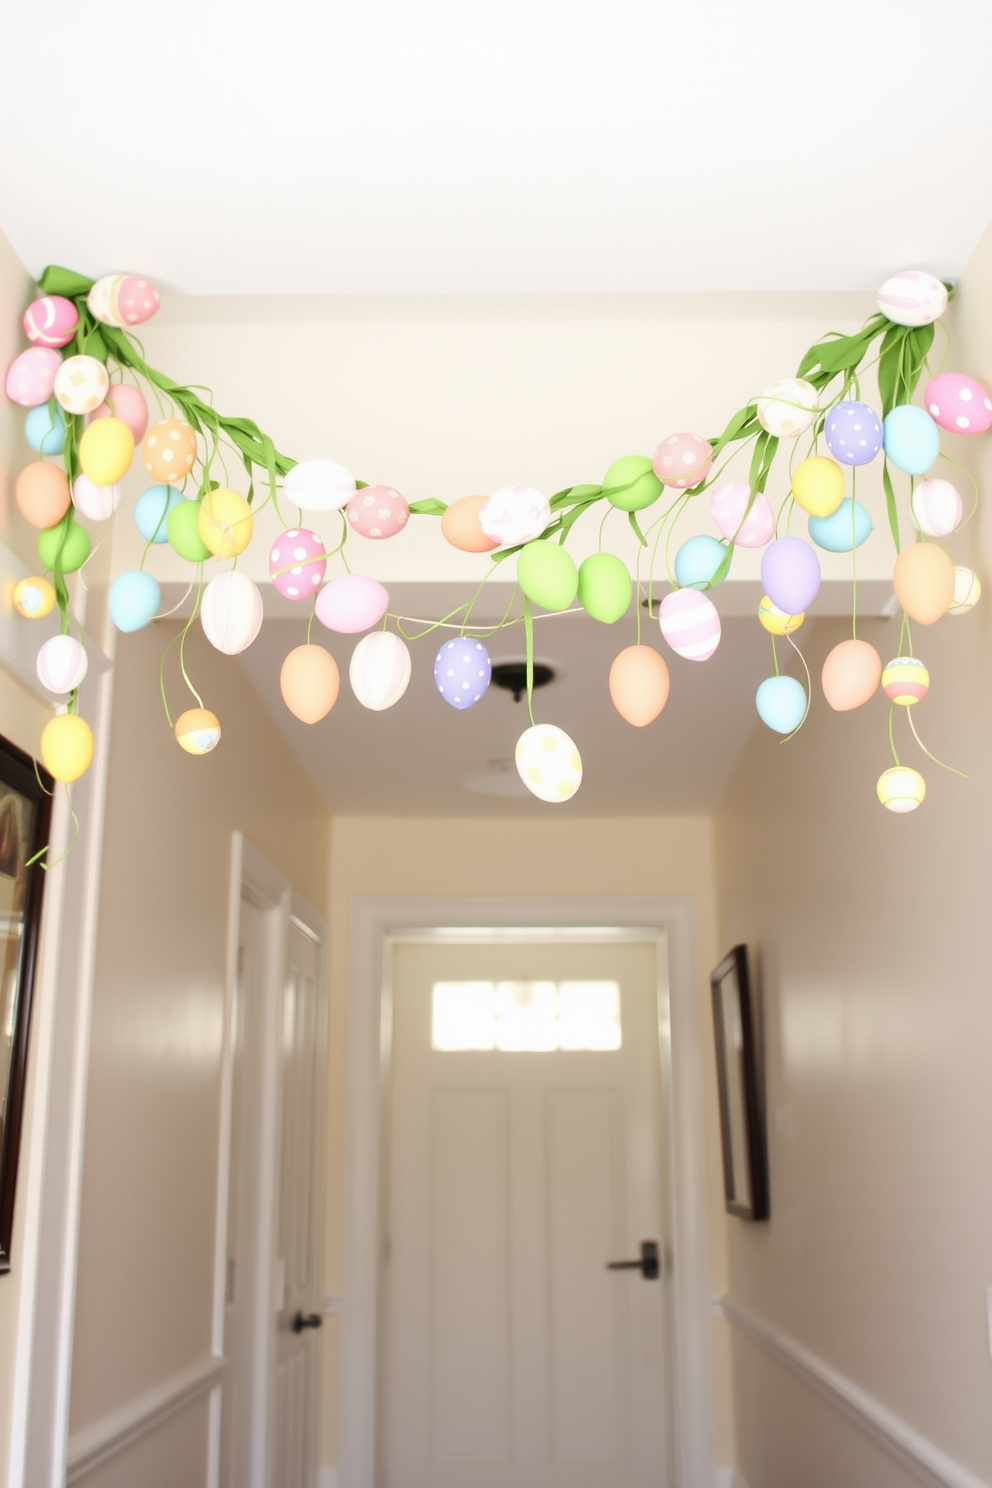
point(527, 1154)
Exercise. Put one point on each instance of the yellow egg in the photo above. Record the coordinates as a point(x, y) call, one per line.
point(106, 450)
point(818, 485)
point(34, 598)
point(67, 747)
point(776, 621)
point(198, 730)
point(224, 523)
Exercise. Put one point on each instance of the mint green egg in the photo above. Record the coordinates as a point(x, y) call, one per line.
point(605, 587)
point(184, 533)
point(547, 575)
point(631, 483)
point(67, 541)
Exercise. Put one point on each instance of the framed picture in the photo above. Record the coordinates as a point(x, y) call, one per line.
point(742, 1107)
point(25, 814)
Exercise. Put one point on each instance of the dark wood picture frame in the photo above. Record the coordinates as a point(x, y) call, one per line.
point(739, 1078)
point(25, 821)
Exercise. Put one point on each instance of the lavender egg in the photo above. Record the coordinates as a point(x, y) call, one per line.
point(854, 433)
point(790, 574)
point(462, 671)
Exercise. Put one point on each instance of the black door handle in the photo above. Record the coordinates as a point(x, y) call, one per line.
point(311, 1320)
point(647, 1265)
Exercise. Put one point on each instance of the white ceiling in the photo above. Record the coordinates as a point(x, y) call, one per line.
point(498, 145)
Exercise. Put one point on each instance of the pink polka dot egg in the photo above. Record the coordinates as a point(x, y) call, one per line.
point(682, 460)
point(378, 512)
point(958, 403)
point(31, 376)
point(122, 300)
point(51, 321)
point(728, 504)
point(690, 624)
point(297, 563)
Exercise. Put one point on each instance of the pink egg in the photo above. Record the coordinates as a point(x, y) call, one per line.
point(51, 321)
point(682, 460)
point(297, 564)
point(690, 624)
point(378, 511)
point(127, 403)
point(31, 376)
point(351, 603)
point(959, 403)
point(135, 301)
point(728, 503)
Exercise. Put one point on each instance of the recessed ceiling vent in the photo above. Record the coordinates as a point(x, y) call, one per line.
point(512, 676)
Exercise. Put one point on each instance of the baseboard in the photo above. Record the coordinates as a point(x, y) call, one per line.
point(327, 1477)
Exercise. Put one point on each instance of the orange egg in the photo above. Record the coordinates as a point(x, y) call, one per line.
point(923, 579)
point(169, 450)
point(309, 682)
point(851, 674)
point(460, 526)
point(639, 684)
point(42, 493)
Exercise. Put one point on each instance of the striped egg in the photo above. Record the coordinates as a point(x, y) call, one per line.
point(776, 621)
point(967, 590)
point(937, 507)
point(690, 624)
point(729, 510)
point(905, 680)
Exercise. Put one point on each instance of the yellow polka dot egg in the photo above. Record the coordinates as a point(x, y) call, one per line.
point(548, 763)
point(169, 450)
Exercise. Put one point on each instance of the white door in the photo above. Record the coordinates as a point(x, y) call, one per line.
point(526, 1153)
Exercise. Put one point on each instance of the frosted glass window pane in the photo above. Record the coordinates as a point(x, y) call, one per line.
point(526, 1017)
point(463, 1015)
point(589, 1015)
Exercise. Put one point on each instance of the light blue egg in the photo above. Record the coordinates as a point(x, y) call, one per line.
point(697, 560)
point(912, 439)
point(152, 509)
point(135, 599)
point(781, 703)
point(45, 430)
point(840, 533)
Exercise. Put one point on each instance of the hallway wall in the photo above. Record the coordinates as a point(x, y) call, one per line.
point(871, 934)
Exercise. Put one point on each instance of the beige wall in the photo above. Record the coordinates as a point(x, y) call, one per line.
point(146, 1249)
point(505, 858)
point(872, 933)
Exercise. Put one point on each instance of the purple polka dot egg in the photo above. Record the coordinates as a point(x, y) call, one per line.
point(854, 433)
point(378, 512)
point(958, 403)
point(462, 671)
point(297, 563)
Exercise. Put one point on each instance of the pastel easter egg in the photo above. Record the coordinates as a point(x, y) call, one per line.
point(62, 664)
point(51, 321)
point(905, 680)
point(31, 376)
point(851, 674)
point(844, 530)
point(548, 763)
point(462, 670)
point(67, 544)
point(514, 515)
point(682, 460)
point(67, 747)
point(639, 684)
point(44, 429)
point(309, 682)
point(547, 575)
point(225, 522)
point(127, 403)
point(818, 485)
point(912, 298)
point(135, 600)
point(96, 502)
point(106, 449)
point(698, 561)
point(967, 591)
point(198, 730)
point(169, 450)
point(853, 432)
point(42, 494)
point(958, 403)
point(937, 507)
point(351, 603)
point(460, 526)
point(788, 407)
point(912, 439)
point(34, 597)
point(776, 621)
point(151, 512)
point(231, 612)
point(690, 624)
point(297, 563)
point(790, 574)
point(319, 485)
point(379, 672)
point(81, 384)
point(182, 528)
point(135, 300)
point(605, 587)
point(378, 512)
point(101, 299)
point(923, 579)
point(901, 789)
point(631, 484)
point(729, 510)
point(781, 704)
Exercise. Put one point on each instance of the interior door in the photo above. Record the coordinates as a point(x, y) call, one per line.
point(526, 1153)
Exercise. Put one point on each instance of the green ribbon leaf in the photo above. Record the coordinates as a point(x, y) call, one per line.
point(58, 281)
point(430, 507)
point(632, 519)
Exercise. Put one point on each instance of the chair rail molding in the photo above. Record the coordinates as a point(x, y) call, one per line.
point(926, 1461)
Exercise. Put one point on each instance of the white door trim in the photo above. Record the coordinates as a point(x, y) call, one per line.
point(372, 922)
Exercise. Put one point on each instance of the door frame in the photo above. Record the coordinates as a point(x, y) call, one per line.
point(375, 923)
